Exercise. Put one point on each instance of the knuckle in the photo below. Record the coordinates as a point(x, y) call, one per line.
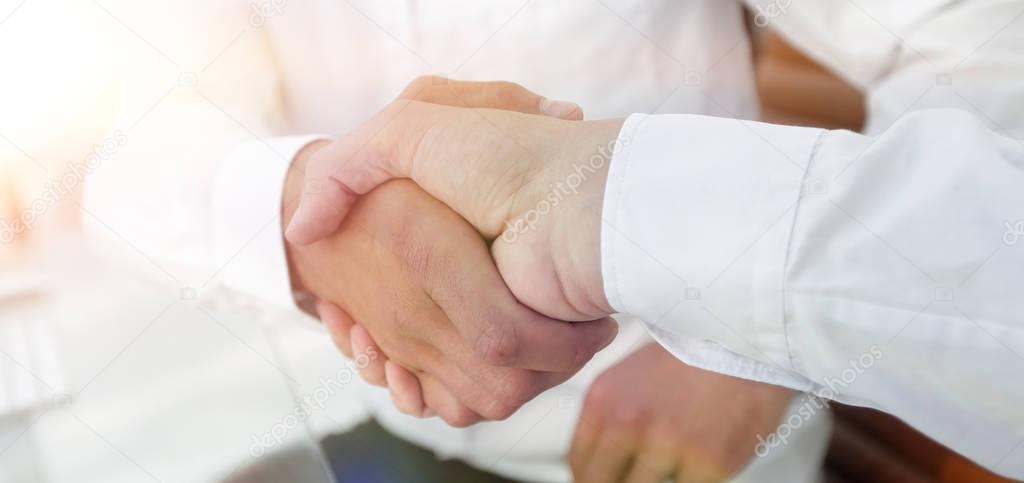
point(608, 401)
point(498, 410)
point(458, 417)
point(499, 347)
point(623, 413)
point(582, 354)
point(510, 88)
point(516, 389)
point(416, 86)
point(600, 395)
point(506, 93)
point(666, 435)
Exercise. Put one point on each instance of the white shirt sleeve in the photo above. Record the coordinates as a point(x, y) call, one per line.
point(879, 269)
point(890, 282)
point(193, 195)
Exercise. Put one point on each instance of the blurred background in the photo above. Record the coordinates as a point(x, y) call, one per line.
point(96, 383)
point(107, 377)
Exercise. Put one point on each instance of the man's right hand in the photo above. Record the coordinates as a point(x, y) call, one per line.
point(535, 182)
point(422, 283)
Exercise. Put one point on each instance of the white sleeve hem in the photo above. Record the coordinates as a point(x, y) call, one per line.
point(699, 215)
point(247, 207)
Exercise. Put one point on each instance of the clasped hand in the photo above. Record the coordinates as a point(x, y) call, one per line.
point(494, 278)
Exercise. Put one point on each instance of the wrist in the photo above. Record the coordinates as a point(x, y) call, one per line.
point(550, 251)
point(576, 238)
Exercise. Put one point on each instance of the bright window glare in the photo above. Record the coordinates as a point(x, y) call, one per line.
point(58, 83)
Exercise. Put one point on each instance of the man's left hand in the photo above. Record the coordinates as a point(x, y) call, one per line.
point(652, 418)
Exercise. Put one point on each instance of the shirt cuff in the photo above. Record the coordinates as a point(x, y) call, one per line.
point(248, 238)
point(698, 214)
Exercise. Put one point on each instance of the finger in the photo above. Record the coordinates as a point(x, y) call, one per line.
point(338, 324)
point(612, 456)
point(493, 393)
point(583, 442)
point(696, 471)
point(326, 200)
point(362, 343)
point(378, 150)
point(508, 96)
point(507, 333)
point(641, 473)
point(405, 389)
point(656, 459)
point(520, 337)
point(490, 393)
point(440, 401)
point(421, 394)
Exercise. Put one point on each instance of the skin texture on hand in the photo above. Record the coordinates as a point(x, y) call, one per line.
point(495, 168)
point(420, 282)
point(652, 418)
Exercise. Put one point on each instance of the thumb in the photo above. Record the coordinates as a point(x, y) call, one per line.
point(354, 165)
point(326, 199)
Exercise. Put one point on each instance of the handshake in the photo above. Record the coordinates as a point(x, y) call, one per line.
point(478, 277)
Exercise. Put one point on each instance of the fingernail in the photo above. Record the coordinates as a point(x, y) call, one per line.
point(561, 109)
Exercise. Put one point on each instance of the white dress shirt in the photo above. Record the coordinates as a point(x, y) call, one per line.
point(795, 278)
point(880, 268)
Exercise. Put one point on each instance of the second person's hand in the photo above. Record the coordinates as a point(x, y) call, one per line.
point(534, 183)
point(491, 362)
